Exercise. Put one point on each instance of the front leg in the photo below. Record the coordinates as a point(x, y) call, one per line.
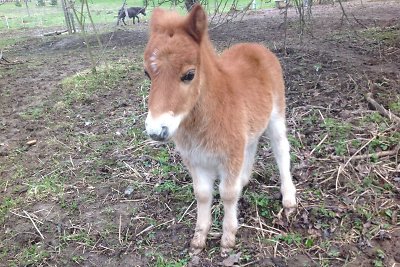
point(203, 181)
point(230, 189)
point(138, 20)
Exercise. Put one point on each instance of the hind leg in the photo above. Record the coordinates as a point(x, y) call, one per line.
point(249, 157)
point(280, 146)
point(230, 190)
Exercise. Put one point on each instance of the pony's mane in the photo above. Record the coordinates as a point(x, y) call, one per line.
point(165, 20)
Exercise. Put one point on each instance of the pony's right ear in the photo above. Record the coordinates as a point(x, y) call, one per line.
point(196, 23)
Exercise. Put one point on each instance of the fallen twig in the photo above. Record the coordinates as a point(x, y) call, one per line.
point(7, 62)
point(381, 109)
point(34, 224)
point(26, 217)
point(260, 229)
point(2, 58)
point(153, 226)
point(359, 22)
point(55, 33)
point(319, 144)
point(366, 156)
point(342, 167)
point(119, 230)
point(185, 212)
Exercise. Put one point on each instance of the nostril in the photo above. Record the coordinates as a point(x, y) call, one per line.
point(162, 136)
point(164, 132)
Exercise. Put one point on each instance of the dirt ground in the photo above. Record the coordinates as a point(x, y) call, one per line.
point(81, 184)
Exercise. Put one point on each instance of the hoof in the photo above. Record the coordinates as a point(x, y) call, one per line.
point(289, 202)
point(195, 251)
point(225, 252)
point(289, 205)
point(197, 244)
point(227, 243)
point(289, 211)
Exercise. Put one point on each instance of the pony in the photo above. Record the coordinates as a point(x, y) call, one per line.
point(215, 108)
point(133, 12)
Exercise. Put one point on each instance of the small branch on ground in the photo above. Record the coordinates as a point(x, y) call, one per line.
point(359, 22)
point(2, 58)
point(5, 61)
point(55, 33)
point(376, 155)
point(34, 224)
point(381, 109)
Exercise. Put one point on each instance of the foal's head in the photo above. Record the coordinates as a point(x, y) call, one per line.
point(171, 62)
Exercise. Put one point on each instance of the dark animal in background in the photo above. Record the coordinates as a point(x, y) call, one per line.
point(133, 12)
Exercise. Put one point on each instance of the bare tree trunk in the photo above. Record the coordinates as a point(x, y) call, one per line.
point(27, 8)
point(300, 10)
point(95, 31)
point(66, 16)
point(81, 21)
point(344, 15)
point(124, 8)
point(71, 16)
point(92, 23)
point(285, 25)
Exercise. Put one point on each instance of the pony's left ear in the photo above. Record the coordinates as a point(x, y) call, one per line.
point(196, 23)
point(157, 13)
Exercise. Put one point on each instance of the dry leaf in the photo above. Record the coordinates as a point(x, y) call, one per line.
point(231, 260)
point(31, 142)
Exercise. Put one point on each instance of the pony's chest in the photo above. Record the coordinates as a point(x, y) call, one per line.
point(197, 156)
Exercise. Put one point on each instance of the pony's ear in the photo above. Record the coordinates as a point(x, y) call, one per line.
point(155, 17)
point(196, 23)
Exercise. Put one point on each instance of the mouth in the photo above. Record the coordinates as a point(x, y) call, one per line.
point(162, 136)
point(163, 127)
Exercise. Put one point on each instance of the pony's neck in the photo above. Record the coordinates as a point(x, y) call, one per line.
point(210, 83)
point(200, 119)
point(208, 61)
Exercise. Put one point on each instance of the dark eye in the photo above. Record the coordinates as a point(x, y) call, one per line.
point(147, 74)
point(188, 76)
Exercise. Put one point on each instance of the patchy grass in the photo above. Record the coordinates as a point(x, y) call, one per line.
point(33, 255)
point(387, 35)
point(83, 85)
point(33, 113)
point(101, 193)
point(49, 185)
point(395, 106)
point(266, 206)
point(8, 42)
point(6, 205)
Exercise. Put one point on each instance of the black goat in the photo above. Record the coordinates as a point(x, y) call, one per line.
point(133, 12)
